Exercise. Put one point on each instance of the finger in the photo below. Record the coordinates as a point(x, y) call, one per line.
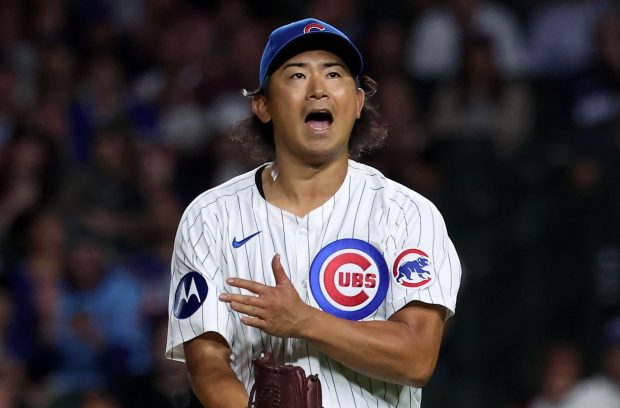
point(248, 300)
point(252, 286)
point(278, 270)
point(248, 310)
point(254, 322)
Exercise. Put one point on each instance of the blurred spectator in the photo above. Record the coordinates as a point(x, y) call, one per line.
point(104, 196)
point(156, 166)
point(386, 48)
point(125, 15)
point(230, 14)
point(150, 263)
point(399, 106)
point(201, 169)
point(35, 281)
point(245, 53)
point(227, 159)
point(101, 99)
point(560, 374)
point(57, 75)
point(341, 13)
point(56, 83)
point(480, 103)
point(434, 45)
point(561, 36)
point(50, 20)
point(597, 90)
point(172, 85)
point(408, 155)
point(28, 176)
point(101, 337)
point(18, 53)
point(601, 390)
point(7, 104)
point(227, 108)
point(169, 384)
point(98, 400)
point(12, 373)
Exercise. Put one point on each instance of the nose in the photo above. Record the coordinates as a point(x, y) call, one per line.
point(316, 88)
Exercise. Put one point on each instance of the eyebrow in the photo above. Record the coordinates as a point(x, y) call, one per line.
point(304, 64)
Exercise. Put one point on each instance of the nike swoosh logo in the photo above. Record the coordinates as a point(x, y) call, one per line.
point(237, 244)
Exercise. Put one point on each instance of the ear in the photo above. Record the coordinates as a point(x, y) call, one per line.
point(361, 99)
point(260, 107)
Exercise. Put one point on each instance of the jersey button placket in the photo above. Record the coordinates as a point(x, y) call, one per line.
point(301, 251)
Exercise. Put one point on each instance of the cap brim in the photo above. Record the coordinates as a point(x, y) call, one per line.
point(319, 41)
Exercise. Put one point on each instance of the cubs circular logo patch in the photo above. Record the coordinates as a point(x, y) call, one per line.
point(190, 294)
point(349, 278)
point(412, 269)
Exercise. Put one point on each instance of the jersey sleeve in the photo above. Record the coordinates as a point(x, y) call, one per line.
point(196, 282)
point(424, 265)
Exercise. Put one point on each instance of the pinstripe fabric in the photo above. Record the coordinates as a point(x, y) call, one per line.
point(367, 207)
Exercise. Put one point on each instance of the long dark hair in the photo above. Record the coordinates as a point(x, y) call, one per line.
point(369, 131)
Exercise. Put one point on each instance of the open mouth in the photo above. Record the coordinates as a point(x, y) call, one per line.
point(319, 120)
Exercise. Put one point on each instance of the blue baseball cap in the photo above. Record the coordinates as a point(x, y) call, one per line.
point(305, 35)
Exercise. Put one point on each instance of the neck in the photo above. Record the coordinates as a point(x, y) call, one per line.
point(301, 187)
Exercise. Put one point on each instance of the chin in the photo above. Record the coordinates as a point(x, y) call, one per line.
point(319, 156)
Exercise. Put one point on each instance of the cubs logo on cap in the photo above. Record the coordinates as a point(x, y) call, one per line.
point(313, 26)
point(190, 295)
point(349, 278)
point(412, 269)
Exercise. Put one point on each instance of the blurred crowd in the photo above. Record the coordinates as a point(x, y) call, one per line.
point(115, 114)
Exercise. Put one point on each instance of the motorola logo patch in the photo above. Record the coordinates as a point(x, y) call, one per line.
point(190, 295)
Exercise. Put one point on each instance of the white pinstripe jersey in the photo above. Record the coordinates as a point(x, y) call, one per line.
point(364, 254)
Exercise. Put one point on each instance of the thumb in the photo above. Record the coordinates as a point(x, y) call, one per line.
point(278, 270)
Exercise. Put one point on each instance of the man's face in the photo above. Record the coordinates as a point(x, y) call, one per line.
point(313, 102)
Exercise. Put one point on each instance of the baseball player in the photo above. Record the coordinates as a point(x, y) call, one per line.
point(314, 257)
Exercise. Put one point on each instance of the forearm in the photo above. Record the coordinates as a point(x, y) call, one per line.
point(219, 388)
point(393, 351)
point(213, 381)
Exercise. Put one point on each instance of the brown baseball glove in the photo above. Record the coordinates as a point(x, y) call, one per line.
point(284, 386)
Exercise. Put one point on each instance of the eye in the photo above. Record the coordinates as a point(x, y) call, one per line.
point(298, 75)
point(333, 74)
